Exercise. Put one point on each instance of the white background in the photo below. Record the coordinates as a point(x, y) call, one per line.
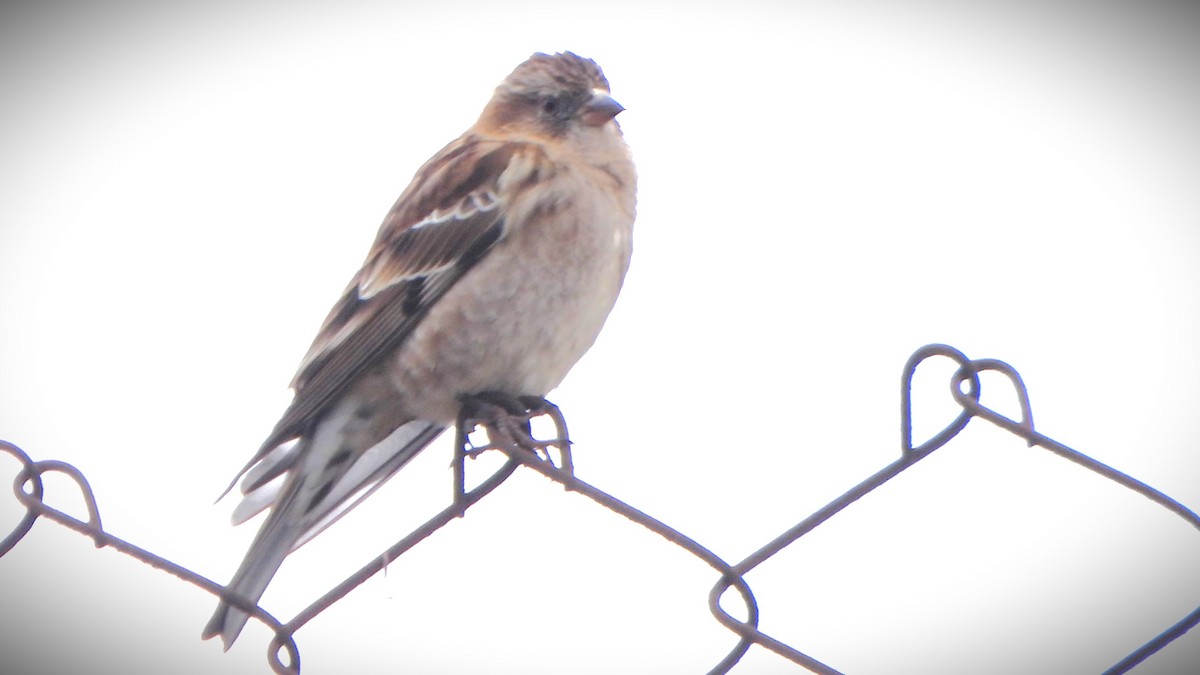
point(825, 187)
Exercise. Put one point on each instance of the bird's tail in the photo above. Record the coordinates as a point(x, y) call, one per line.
point(319, 488)
point(274, 542)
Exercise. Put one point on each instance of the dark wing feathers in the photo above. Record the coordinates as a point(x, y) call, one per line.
point(446, 220)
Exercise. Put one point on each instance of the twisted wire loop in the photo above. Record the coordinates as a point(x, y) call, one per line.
point(1024, 429)
point(29, 489)
point(507, 423)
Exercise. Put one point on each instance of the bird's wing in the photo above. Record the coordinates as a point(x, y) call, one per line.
point(444, 222)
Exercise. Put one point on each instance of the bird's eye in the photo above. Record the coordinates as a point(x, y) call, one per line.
point(550, 106)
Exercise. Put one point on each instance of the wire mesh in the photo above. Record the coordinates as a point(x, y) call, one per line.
point(507, 426)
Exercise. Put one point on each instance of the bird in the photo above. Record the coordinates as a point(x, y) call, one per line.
point(494, 271)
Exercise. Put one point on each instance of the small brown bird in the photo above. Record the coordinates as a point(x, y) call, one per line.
point(493, 272)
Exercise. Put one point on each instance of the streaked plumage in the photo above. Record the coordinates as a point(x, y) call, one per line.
point(494, 271)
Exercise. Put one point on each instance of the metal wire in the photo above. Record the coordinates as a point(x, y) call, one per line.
point(507, 423)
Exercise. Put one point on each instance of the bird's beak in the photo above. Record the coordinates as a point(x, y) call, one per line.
point(600, 109)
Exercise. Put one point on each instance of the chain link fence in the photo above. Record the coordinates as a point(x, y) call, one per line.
point(487, 426)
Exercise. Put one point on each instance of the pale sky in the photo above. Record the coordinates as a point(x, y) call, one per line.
point(824, 188)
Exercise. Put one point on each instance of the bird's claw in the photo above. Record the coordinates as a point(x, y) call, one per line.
point(507, 421)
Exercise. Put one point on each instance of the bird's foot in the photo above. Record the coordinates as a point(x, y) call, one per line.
point(508, 422)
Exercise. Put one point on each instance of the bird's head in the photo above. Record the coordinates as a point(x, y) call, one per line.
point(548, 96)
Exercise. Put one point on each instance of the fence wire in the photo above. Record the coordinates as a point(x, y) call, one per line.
point(507, 427)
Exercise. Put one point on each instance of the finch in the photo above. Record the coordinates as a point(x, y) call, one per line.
point(493, 272)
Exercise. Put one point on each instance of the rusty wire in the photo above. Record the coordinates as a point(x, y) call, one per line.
point(507, 424)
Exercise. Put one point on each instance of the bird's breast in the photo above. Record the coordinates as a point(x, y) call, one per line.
point(524, 314)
